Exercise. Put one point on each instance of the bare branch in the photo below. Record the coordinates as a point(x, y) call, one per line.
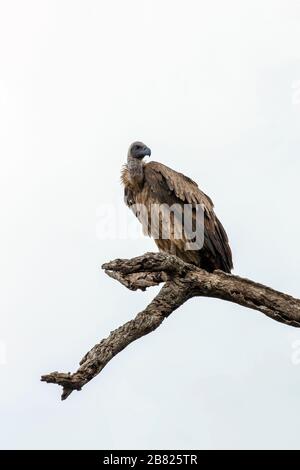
point(182, 281)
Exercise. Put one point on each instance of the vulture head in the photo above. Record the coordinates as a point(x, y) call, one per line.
point(138, 150)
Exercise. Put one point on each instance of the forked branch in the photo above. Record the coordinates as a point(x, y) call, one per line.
point(181, 282)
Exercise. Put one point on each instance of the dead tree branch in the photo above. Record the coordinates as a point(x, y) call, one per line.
point(182, 282)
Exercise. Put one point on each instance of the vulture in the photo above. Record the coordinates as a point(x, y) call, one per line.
point(154, 185)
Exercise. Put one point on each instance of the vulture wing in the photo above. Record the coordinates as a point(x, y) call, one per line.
point(163, 185)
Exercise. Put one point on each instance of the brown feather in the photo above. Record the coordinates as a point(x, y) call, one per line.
point(162, 185)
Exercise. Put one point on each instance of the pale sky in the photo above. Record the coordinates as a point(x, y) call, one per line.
point(213, 88)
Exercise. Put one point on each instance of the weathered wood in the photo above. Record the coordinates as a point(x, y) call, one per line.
point(182, 282)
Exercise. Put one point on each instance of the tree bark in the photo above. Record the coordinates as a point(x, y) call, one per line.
point(181, 282)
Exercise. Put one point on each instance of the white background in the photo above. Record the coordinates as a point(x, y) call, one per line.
point(208, 85)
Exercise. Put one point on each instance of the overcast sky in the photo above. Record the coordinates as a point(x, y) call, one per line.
point(213, 87)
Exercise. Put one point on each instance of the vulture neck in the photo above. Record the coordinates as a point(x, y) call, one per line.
point(136, 170)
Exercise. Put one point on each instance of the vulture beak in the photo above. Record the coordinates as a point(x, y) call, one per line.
point(145, 152)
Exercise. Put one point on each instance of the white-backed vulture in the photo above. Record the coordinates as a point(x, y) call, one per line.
point(153, 184)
